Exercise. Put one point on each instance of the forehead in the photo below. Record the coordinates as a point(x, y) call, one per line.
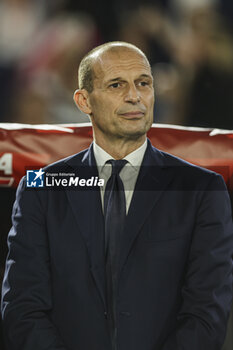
point(122, 63)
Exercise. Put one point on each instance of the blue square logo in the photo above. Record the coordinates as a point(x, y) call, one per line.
point(35, 178)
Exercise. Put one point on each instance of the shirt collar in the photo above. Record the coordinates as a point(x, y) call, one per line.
point(134, 158)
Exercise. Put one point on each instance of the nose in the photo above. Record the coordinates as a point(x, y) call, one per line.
point(132, 95)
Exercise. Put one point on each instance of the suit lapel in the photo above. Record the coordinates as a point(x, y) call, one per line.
point(152, 180)
point(87, 209)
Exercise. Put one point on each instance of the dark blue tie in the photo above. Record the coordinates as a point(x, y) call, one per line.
point(114, 212)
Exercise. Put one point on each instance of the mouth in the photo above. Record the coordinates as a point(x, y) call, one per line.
point(133, 115)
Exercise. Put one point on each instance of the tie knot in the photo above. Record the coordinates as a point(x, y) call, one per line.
point(117, 165)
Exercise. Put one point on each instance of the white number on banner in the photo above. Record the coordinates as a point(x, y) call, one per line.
point(6, 163)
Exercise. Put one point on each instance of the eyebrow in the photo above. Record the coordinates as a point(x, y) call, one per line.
point(115, 79)
point(121, 79)
point(145, 76)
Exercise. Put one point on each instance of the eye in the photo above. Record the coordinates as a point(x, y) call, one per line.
point(115, 85)
point(143, 83)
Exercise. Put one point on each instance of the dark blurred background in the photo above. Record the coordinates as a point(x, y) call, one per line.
point(188, 42)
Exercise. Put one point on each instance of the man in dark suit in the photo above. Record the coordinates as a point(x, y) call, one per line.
point(143, 264)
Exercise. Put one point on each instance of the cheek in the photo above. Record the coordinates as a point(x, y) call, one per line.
point(102, 104)
point(150, 102)
point(102, 112)
point(96, 107)
point(109, 106)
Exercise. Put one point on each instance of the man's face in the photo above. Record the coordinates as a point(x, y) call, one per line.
point(122, 99)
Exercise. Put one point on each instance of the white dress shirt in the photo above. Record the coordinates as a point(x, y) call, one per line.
point(128, 174)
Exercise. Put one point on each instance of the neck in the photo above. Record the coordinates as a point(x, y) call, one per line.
point(121, 148)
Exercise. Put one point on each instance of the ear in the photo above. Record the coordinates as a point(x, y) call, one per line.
point(81, 99)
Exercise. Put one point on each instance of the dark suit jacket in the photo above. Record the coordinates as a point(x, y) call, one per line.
point(175, 263)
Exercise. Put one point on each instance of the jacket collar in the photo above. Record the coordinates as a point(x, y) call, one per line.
point(152, 181)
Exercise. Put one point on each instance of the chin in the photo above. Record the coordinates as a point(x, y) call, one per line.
point(136, 130)
point(134, 134)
